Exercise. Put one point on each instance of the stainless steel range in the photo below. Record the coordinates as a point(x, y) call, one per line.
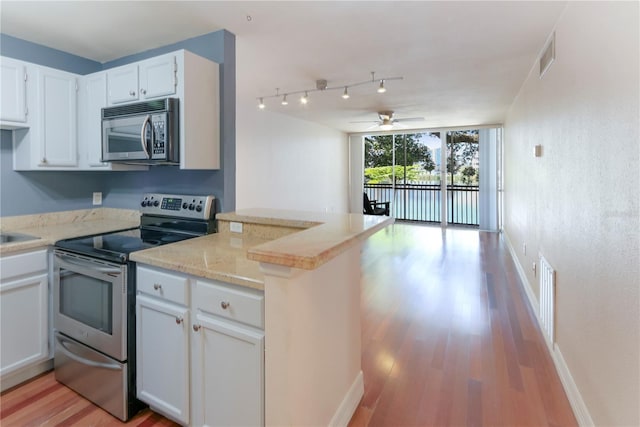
point(94, 299)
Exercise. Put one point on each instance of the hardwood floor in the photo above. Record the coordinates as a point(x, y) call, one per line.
point(447, 339)
point(45, 402)
point(447, 336)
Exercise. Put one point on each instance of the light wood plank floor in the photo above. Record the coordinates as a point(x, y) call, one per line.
point(447, 339)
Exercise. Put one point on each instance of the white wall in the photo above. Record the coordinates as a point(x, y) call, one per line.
point(578, 204)
point(287, 163)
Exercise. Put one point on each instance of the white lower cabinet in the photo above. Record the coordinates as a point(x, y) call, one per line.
point(227, 366)
point(162, 357)
point(24, 311)
point(200, 349)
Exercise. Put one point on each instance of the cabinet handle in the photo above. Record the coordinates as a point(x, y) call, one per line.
point(132, 92)
point(157, 287)
point(196, 328)
point(143, 91)
point(224, 305)
point(178, 320)
point(44, 160)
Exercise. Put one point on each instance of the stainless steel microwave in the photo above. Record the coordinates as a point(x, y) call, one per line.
point(143, 132)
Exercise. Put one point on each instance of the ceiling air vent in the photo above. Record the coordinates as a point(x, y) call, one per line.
point(548, 55)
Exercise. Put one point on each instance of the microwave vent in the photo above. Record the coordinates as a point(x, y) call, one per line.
point(147, 107)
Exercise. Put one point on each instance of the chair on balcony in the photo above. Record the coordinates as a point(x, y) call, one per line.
point(372, 207)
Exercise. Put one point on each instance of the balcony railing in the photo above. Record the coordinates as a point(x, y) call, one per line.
point(421, 202)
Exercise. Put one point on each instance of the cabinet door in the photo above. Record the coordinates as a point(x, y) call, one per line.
point(23, 322)
point(13, 91)
point(228, 373)
point(122, 83)
point(57, 95)
point(93, 97)
point(158, 77)
point(162, 357)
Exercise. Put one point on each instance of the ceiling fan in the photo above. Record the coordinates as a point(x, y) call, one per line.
point(386, 121)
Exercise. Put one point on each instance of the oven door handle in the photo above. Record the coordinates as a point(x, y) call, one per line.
point(94, 267)
point(71, 355)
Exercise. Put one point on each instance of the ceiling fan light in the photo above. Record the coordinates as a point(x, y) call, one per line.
point(261, 104)
point(284, 100)
point(381, 88)
point(386, 126)
point(345, 94)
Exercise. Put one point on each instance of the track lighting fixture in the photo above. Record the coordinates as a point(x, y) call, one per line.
point(322, 86)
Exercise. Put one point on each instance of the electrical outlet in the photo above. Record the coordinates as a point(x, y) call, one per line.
point(235, 227)
point(524, 248)
point(97, 198)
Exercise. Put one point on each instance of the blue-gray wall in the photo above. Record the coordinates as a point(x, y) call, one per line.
point(46, 191)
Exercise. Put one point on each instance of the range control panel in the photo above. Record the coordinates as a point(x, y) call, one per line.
point(183, 206)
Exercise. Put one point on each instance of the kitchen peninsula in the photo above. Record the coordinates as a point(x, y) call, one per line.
point(289, 283)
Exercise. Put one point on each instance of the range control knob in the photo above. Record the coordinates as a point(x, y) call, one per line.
point(185, 205)
point(191, 207)
point(199, 208)
point(144, 203)
point(156, 203)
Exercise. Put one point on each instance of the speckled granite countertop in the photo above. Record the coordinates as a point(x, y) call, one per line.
point(325, 237)
point(303, 240)
point(296, 239)
point(51, 227)
point(216, 256)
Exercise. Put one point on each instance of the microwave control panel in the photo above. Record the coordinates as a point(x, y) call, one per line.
point(159, 146)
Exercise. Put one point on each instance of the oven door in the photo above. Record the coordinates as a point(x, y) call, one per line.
point(90, 302)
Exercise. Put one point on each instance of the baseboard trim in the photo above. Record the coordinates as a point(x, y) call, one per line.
point(24, 374)
point(349, 404)
point(575, 398)
point(578, 406)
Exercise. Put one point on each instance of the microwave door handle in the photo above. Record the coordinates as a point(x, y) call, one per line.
point(143, 139)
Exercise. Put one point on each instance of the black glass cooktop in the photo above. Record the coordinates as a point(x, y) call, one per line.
point(118, 245)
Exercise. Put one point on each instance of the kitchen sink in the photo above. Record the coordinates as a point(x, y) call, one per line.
point(10, 237)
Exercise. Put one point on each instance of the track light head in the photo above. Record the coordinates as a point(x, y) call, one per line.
point(304, 99)
point(381, 88)
point(261, 104)
point(284, 100)
point(345, 94)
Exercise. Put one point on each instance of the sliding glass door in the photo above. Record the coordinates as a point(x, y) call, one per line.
point(404, 169)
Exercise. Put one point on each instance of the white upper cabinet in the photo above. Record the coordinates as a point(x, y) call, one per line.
point(51, 141)
point(57, 99)
point(158, 77)
point(13, 91)
point(123, 84)
point(93, 97)
point(152, 78)
point(56, 116)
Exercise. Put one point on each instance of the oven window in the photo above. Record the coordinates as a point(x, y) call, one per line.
point(87, 300)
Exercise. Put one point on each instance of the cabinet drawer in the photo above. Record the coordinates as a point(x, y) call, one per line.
point(168, 286)
point(230, 302)
point(22, 264)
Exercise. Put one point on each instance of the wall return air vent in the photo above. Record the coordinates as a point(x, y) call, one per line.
point(548, 55)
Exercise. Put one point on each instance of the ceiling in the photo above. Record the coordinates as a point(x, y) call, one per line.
point(462, 63)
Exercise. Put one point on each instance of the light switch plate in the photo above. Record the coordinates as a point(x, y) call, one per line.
point(235, 227)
